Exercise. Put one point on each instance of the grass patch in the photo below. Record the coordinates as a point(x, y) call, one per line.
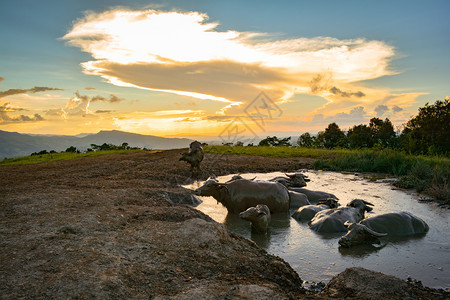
point(59, 156)
point(277, 151)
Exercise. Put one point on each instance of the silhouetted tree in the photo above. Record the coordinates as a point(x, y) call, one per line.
point(274, 141)
point(382, 132)
point(428, 132)
point(72, 149)
point(39, 153)
point(319, 141)
point(305, 140)
point(360, 136)
point(334, 137)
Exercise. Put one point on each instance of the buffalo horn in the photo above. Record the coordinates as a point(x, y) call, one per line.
point(377, 234)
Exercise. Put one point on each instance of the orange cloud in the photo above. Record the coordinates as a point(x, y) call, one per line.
point(6, 118)
point(185, 54)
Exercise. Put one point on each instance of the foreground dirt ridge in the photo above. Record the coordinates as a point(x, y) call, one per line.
point(119, 226)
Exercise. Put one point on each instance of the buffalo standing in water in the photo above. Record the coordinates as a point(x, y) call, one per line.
point(241, 194)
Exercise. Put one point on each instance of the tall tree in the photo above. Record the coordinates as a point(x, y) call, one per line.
point(360, 136)
point(305, 140)
point(334, 137)
point(429, 131)
point(382, 132)
point(319, 141)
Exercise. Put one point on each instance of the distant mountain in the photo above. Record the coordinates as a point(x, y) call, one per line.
point(13, 144)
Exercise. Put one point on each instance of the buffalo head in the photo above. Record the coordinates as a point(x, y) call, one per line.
point(359, 203)
point(330, 202)
point(359, 234)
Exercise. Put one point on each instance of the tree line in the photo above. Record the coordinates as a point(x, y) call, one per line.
point(94, 147)
point(427, 133)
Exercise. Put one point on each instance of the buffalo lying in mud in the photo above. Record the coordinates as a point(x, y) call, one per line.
point(194, 157)
point(332, 220)
point(306, 213)
point(291, 180)
point(238, 195)
point(259, 216)
point(368, 231)
point(313, 196)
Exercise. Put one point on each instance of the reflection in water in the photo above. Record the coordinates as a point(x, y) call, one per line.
point(361, 251)
point(318, 257)
point(328, 235)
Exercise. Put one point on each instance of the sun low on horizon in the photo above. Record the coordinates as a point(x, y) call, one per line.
point(172, 68)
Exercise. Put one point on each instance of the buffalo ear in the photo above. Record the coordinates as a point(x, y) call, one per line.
point(368, 208)
point(212, 177)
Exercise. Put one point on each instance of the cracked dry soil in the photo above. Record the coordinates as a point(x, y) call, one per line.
point(115, 226)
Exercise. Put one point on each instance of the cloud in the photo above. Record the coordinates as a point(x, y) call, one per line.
point(6, 108)
point(104, 111)
point(320, 84)
point(89, 88)
point(381, 110)
point(357, 115)
point(79, 105)
point(396, 109)
point(1, 79)
point(33, 90)
point(183, 53)
point(112, 99)
point(336, 91)
point(55, 112)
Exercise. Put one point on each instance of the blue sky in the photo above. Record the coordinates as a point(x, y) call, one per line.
point(368, 58)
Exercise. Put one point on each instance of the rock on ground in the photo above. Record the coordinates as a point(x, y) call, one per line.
point(359, 283)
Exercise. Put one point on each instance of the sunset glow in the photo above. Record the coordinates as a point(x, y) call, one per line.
point(184, 70)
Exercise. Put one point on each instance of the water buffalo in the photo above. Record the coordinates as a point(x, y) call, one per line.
point(291, 180)
point(306, 213)
point(368, 231)
point(313, 196)
point(194, 157)
point(259, 216)
point(297, 200)
point(241, 194)
point(238, 176)
point(332, 220)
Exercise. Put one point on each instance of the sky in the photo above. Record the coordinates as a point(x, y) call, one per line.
point(227, 69)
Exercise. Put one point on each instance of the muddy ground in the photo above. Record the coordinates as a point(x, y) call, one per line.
point(116, 226)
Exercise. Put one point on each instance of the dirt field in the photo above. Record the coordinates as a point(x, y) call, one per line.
point(113, 227)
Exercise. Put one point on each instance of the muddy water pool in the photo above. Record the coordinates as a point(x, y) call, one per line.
point(318, 258)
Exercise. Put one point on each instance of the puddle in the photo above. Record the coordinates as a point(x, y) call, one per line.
point(318, 258)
